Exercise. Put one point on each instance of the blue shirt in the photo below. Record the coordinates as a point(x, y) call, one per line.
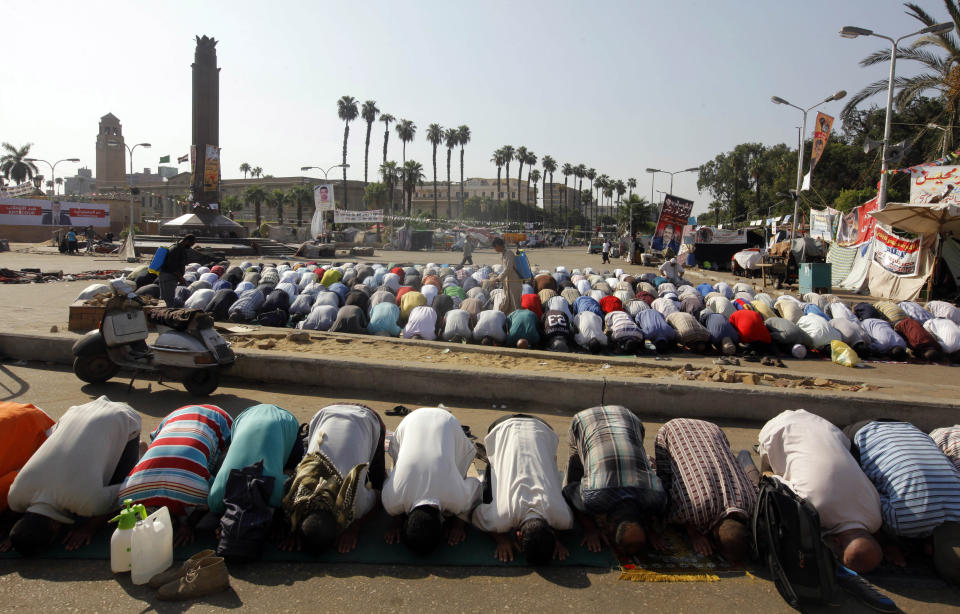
point(919, 486)
point(384, 318)
point(261, 432)
point(654, 326)
point(71, 236)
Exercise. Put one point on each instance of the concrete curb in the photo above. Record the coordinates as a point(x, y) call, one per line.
point(520, 390)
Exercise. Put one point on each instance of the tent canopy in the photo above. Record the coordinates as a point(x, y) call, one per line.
point(921, 218)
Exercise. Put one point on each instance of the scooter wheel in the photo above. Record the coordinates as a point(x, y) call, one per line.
point(94, 369)
point(202, 382)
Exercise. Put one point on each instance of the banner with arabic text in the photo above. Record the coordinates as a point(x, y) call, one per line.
point(711, 235)
point(33, 212)
point(857, 226)
point(896, 254)
point(673, 217)
point(821, 225)
point(357, 217)
point(211, 169)
point(935, 184)
point(821, 133)
point(17, 190)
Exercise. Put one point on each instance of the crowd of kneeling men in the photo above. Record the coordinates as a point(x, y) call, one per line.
point(873, 484)
point(578, 310)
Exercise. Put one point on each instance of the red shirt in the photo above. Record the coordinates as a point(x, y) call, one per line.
point(532, 302)
point(610, 303)
point(403, 290)
point(750, 326)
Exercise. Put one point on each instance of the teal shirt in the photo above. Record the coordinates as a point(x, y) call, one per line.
point(262, 432)
point(523, 325)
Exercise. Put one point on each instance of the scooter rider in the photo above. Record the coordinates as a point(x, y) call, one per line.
point(173, 267)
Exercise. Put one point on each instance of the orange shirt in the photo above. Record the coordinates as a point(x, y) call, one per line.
point(23, 428)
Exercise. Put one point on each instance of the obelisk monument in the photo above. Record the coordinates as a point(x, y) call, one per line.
point(205, 148)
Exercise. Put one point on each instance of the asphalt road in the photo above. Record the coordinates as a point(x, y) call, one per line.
point(66, 586)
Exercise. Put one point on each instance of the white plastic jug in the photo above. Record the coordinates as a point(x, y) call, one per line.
point(121, 539)
point(151, 546)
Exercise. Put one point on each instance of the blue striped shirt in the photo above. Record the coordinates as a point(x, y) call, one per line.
point(919, 487)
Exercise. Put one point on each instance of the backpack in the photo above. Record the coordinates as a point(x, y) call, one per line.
point(158, 258)
point(523, 265)
point(786, 534)
point(247, 519)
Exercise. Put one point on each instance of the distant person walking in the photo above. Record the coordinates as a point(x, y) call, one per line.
point(171, 271)
point(467, 252)
point(71, 242)
point(605, 252)
point(91, 238)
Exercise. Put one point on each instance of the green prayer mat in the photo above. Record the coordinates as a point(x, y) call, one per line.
point(476, 550)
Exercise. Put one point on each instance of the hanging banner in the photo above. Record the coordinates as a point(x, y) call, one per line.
point(17, 190)
point(32, 212)
point(323, 197)
point(719, 236)
point(821, 133)
point(211, 169)
point(673, 217)
point(857, 226)
point(357, 217)
point(896, 254)
point(821, 225)
point(935, 184)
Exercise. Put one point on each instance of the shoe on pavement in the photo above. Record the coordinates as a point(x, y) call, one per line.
point(857, 586)
point(208, 577)
point(175, 573)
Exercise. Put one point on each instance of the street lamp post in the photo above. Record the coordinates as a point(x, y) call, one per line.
point(803, 132)
point(854, 32)
point(654, 172)
point(943, 147)
point(53, 168)
point(130, 150)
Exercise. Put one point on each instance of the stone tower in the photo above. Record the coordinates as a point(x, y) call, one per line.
point(111, 154)
point(205, 148)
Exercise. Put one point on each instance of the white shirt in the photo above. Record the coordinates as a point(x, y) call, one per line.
point(431, 456)
point(813, 458)
point(525, 479)
point(456, 322)
point(588, 326)
point(423, 322)
point(490, 323)
point(69, 473)
point(606, 246)
point(348, 435)
point(946, 332)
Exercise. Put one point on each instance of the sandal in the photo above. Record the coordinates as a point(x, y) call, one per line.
point(399, 410)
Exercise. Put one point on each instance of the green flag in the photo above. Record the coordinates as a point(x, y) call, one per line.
point(164, 159)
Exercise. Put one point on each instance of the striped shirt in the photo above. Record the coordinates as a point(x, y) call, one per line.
point(176, 469)
point(948, 439)
point(705, 482)
point(919, 487)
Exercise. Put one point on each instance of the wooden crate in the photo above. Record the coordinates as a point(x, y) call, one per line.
point(85, 317)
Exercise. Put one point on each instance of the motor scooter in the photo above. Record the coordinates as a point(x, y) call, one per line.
point(194, 355)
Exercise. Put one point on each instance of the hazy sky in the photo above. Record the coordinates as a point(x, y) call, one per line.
point(618, 86)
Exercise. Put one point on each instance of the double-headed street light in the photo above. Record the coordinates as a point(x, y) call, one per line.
point(654, 172)
point(320, 168)
point(803, 133)
point(53, 168)
point(854, 32)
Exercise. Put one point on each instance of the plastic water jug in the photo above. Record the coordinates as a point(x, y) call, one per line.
point(120, 542)
point(151, 546)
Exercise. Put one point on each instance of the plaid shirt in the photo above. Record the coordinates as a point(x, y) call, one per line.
point(608, 464)
point(705, 482)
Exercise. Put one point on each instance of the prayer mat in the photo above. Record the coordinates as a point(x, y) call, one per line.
point(476, 551)
point(678, 563)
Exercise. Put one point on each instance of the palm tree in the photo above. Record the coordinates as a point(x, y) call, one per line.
point(388, 171)
point(531, 160)
point(508, 154)
point(549, 168)
point(463, 137)
point(412, 177)
point(298, 196)
point(534, 176)
point(600, 183)
point(937, 72)
point(631, 184)
point(406, 130)
point(581, 172)
point(621, 189)
point(347, 111)
point(591, 175)
point(521, 157)
point(13, 164)
point(255, 194)
point(450, 138)
point(566, 170)
point(276, 199)
point(59, 182)
point(256, 172)
point(369, 113)
point(434, 137)
point(244, 168)
point(497, 159)
point(386, 118)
